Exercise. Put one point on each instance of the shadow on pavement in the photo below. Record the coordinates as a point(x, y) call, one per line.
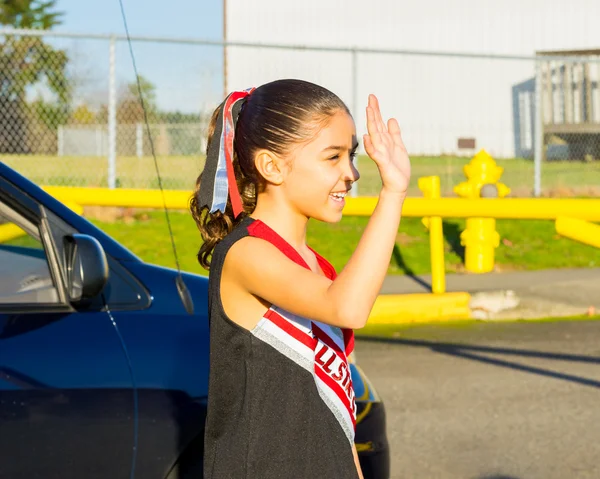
point(467, 351)
point(497, 476)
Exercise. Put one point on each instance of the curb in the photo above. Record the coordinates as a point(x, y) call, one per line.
point(420, 308)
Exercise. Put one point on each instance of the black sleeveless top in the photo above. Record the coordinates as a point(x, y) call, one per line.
point(280, 397)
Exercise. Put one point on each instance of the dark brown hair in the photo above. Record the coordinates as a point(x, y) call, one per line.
point(276, 117)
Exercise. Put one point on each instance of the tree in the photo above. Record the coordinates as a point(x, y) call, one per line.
point(29, 14)
point(148, 91)
point(26, 61)
point(82, 116)
point(129, 109)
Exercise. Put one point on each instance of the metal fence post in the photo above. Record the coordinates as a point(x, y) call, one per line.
point(61, 141)
point(538, 131)
point(139, 140)
point(354, 189)
point(112, 115)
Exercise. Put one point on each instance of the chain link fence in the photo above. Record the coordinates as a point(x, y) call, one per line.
point(569, 95)
point(70, 113)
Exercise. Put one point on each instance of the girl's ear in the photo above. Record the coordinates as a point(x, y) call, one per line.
point(270, 166)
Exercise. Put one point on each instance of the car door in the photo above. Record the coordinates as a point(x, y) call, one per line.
point(66, 395)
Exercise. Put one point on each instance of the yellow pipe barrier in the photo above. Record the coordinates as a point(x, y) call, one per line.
point(128, 198)
point(504, 208)
point(430, 186)
point(513, 208)
point(419, 308)
point(74, 207)
point(578, 230)
point(9, 232)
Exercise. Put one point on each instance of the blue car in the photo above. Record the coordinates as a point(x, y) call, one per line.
point(104, 358)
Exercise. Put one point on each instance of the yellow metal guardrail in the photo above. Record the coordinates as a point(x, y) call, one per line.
point(420, 308)
point(572, 215)
point(430, 186)
point(9, 231)
point(578, 230)
point(573, 220)
point(504, 208)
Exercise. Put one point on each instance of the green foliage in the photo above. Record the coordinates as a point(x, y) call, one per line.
point(129, 108)
point(32, 14)
point(530, 245)
point(51, 114)
point(148, 92)
point(82, 115)
point(27, 61)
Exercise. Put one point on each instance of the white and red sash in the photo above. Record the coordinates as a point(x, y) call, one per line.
point(320, 349)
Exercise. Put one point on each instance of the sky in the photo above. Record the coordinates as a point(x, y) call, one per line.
point(182, 18)
point(187, 77)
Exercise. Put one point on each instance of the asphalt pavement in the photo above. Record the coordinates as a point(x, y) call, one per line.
point(490, 400)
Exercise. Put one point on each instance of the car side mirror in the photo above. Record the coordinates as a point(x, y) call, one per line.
point(86, 267)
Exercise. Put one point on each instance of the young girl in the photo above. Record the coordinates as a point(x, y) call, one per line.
point(280, 401)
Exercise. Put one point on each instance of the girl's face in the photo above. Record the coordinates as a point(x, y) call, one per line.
point(322, 170)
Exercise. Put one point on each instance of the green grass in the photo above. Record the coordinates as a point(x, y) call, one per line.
point(559, 178)
point(147, 236)
point(177, 172)
point(24, 242)
point(525, 245)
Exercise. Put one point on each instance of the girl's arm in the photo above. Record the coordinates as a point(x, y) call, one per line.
point(260, 268)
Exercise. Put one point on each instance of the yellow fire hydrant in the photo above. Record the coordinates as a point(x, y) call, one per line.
point(480, 237)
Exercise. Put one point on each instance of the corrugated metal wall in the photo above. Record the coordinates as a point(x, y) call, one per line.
point(436, 99)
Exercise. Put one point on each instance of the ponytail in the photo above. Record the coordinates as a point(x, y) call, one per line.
point(215, 226)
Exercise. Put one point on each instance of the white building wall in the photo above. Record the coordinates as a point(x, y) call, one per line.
point(436, 99)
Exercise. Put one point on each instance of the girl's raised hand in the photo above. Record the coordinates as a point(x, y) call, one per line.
point(385, 147)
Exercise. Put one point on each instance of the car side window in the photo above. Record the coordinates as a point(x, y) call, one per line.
point(25, 276)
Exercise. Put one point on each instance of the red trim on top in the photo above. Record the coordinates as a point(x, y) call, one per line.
point(331, 273)
point(259, 229)
point(325, 265)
